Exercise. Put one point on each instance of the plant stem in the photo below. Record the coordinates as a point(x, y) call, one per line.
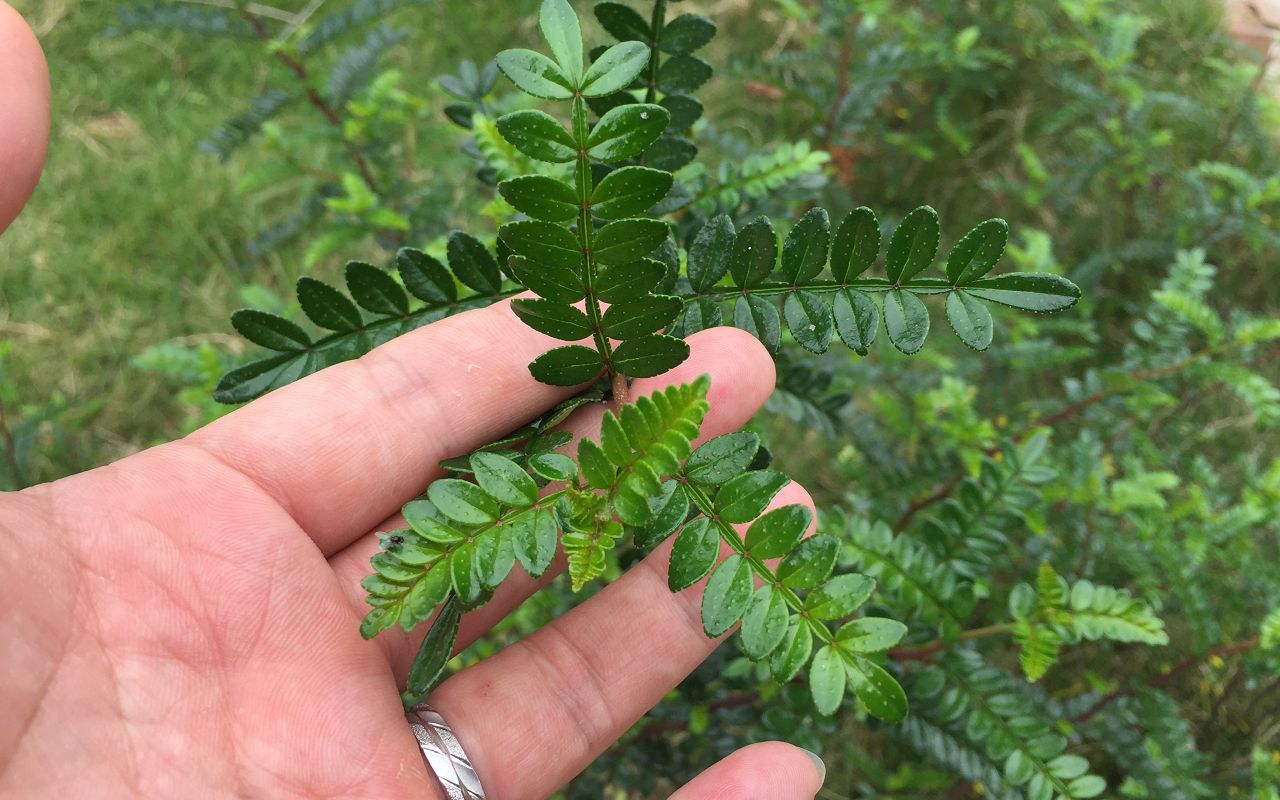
point(586, 234)
point(926, 651)
point(865, 284)
point(656, 24)
point(316, 99)
point(731, 538)
point(1169, 675)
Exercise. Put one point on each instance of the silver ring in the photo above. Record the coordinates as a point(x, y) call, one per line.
point(444, 756)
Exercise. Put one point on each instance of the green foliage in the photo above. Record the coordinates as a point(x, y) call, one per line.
point(1054, 613)
point(815, 309)
point(1129, 444)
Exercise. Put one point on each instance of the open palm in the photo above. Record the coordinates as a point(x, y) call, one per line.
point(183, 623)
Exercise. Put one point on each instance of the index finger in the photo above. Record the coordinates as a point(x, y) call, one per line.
point(341, 450)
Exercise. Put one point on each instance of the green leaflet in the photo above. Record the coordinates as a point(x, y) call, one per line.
point(615, 69)
point(535, 74)
point(727, 595)
point(558, 320)
point(433, 655)
point(463, 502)
point(913, 245)
point(425, 277)
point(632, 281)
point(759, 317)
point(693, 555)
point(810, 320)
point(827, 679)
point(648, 356)
point(542, 243)
point(794, 651)
point(560, 283)
point(628, 240)
point(627, 131)
point(871, 634)
point(745, 497)
point(269, 331)
point(977, 253)
point(326, 306)
point(474, 265)
point(687, 33)
point(804, 255)
point(669, 511)
point(504, 480)
point(857, 319)
point(538, 135)
point(906, 320)
point(722, 458)
point(622, 22)
point(777, 532)
point(639, 317)
point(375, 290)
point(541, 197)
point(683, 73)
point(560, 27)
point(970, 319)
point(1028, 291)
point(764, 625)
point(534, 537)
point(567, 366)
point(810, 563)
point(877, 689)
point(755, 251)
point(840, 596)
point(856, 245)
point(710, 253)
point(628, 191)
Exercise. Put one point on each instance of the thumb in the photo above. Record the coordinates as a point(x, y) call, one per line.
point(24, 113)
point(765, 771)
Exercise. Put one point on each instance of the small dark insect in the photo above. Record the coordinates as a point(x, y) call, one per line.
point(394, 541)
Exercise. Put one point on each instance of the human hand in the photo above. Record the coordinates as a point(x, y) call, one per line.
point(184, 622)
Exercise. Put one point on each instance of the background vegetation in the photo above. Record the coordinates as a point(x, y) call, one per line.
point(1130, 442)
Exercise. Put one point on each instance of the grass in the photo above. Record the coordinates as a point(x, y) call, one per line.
point(133, 237)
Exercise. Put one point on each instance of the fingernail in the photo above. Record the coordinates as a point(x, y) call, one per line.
point(819, 765)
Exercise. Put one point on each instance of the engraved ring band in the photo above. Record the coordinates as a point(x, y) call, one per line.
point(444, 755)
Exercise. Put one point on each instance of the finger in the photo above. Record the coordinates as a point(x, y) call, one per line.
point(764, 771)
point(741, 379)
point(24, 113)
point(576, 685)
point(342, 449)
